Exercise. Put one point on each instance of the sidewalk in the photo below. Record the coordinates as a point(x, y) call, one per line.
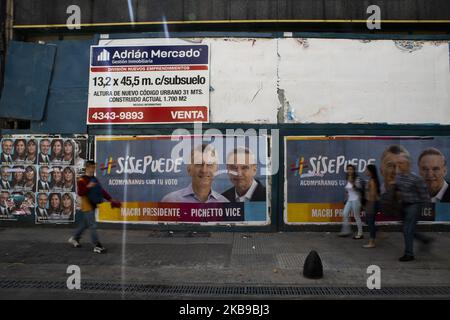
point(216, 259)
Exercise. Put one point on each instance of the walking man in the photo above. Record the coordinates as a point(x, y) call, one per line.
point(92, 194)
point(414, 195)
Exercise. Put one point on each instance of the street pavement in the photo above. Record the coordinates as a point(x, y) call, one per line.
point(144, 264)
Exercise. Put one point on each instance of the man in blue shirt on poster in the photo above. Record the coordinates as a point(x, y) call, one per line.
point(202, 169)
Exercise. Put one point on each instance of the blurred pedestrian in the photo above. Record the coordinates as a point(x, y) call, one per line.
point(353, 203)
point(372, 195)
point(92, 194)
point(413, 194)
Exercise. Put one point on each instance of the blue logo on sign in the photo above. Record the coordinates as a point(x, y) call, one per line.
point(150, 55)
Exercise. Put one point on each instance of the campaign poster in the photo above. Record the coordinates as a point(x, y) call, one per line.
point(220, 180)
point(38, 177)
point(55, 194)
point(55, 207)
point(14, 204)
point(315, 174)
point(80, 154)
point(149, 84)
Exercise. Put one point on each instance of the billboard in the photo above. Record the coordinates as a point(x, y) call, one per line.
point(315, 174)
point(149, 84)
point(160, 179)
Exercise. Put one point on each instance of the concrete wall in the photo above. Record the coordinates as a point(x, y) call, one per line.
point(326, 80)
point(352, 81)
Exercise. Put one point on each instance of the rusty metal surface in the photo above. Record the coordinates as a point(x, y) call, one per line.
point(34, 12)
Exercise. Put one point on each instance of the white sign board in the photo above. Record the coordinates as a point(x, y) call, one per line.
point(148, 84)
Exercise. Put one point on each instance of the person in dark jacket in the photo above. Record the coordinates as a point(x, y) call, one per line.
point(7, 149)
point(44, 147)
point(241, 168)
point(413, 193)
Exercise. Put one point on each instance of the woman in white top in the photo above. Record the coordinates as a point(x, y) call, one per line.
point(352, 189)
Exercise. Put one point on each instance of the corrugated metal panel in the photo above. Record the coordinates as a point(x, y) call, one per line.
point(65, 113)
point(67, 100)
point(27, 77)
point(71, 64)
point(51, 12)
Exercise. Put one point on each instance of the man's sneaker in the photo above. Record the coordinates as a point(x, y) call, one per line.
point(99, 249)
point(369, 245)
point(74, 242)
point(406, 258)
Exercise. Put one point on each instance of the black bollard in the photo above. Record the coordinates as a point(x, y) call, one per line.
point(313, 266)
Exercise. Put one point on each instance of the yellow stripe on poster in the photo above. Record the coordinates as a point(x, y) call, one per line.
point(140, 211)
point(131, 138)
point(295, 138)
point(314, 212)
point(109, 164)
point(106, 213)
